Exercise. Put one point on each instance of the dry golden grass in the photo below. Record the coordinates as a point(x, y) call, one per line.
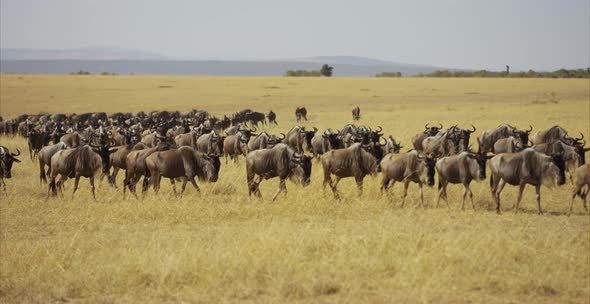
point(220, 246)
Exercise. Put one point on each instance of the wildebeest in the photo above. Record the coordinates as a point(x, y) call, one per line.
point(407, 167)
point(37, 139)
point(72, 140)
point(118, 159)
point(442, 144)
point(322, 143)
point(264, 141)
point(419, 138)
point(582, 180)
point(279, 161)
point(554, 133)
point(392, 146)
point(460, 169)
point(298, 138)
point(301, 114)
point(488, 138)
point(210, 143)
point(135, 167)
point(272, 118)
point(574, 156)
point(45, 159)
point(463, 136)
point(356, 113)
point(509, 144)
point(522, 168)
point(353, 161)
point(7, 159)
point(74, 163)
point(185, 163)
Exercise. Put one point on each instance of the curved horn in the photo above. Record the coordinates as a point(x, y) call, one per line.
point(17, 150)
point(580, 137)
point(382, 144)
point(255, 129)
point(441, 126)
point(284, 136)
point(474, 128)
point(380, 129)
point(315, 129)
point(426, 126)
point(529, 130)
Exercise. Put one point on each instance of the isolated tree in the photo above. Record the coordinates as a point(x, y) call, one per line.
point(326, 70)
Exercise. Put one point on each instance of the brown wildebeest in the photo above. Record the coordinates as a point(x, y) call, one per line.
point(298, 138)
point(234, 145)
point(574, 156)
point(6, 161)
point(187, 139)
point(280, 161)
point(353, 161)
point(356, 113)
point(185, 163)
point(210, 144)
point(428, 131)
point(509, 144)
point(45, 159)
point(460, 169)
point(392, 146)
point(555, 133)
point(488, 138)
point(118, 159)
point(72, 140)
point(74, 163)
point(582, 180)
point(272, 118)
point(522, 168)
point(301, 114)
point(442, 144)
point(264, 141)
point(135, 168)
point(322, 143)
point(37, 139)
point(407, 167)
point(463, 137)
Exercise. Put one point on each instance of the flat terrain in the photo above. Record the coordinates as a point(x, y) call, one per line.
point(221, 246)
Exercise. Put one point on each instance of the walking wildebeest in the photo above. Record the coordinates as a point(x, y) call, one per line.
point(136, 168)
point(552, 134)
point(428, 132)
point(460, 169)
point(574, 156)
point(356, 113)
point(185, 163)
point(488, 138)
point(7, 159)
point(74, 163)
point(301, 114)
point(45, 159)
point(522, 168)
point(272, 118)
point(279, 161)
point(352, 161)
point(407, 167)
point(118, 159)
point(582, 179)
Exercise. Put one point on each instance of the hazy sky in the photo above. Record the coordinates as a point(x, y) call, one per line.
point(538, 34)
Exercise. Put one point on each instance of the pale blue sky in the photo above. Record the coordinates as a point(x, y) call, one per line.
point(537, 34)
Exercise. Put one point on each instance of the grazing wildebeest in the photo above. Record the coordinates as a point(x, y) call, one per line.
point(574, 156)
point(582, 179)
point(488, 138)
point(210, 143)
point(135, 167)
point(298, 138)
point(356, 113)
point(7, 159)
point(272, 118)
point(392, 146)
point(264, 141)
point(301, 114)
point(45, 159)
point(509, 144)
point(460, 169)
point(522, 168)
point(442, 144)
point(428, 132)
point(279, 161)
point(352, 161)
point(322, 143)
point(74, 163)
point(554, 133)
point(407, 167)
point(185, 163)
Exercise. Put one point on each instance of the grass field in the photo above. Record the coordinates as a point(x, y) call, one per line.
point(220, 246)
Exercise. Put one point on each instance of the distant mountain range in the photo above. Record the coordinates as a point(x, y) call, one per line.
point(127, 61)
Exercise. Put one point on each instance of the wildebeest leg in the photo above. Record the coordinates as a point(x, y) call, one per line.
point(92, 187)
point(113, 178)
point(282, 187)
point(406, 184)
point(442, 191)
point(421, 194)
point(174, 185)
point(194, 183)
point(76, 182)
point(499, 187)
point(470, 196)
point(4, 186)
point(464, 195)
point(538, 192)
point(60, 184)
point(359, 184)
point(384, 184)
point(334, 189)
point(520, 190)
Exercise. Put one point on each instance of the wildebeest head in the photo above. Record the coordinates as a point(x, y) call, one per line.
point(6, 160)
point(393, 146)
point(309, 135)
point(581, 151)
point(428, 163)
point(246, 133)
point(432, 130)
point(301, 167)
point(559, 161)
point(332, 138)
point(523, 135)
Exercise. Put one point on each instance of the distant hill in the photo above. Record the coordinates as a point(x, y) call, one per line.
point(87, 53)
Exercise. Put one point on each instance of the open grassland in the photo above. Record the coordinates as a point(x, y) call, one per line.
point(220, 246)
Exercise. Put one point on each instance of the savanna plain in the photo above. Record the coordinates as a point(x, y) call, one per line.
point(221, 246)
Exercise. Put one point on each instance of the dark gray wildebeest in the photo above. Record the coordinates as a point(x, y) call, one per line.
point(37, 139)
point(135, 168)
point(73, 163)
point(353, 161)
point(582, 180)
point(522, 168)
point(7, 159)
point(509, 144)
point(45, 159)
point(183, 163)
point(392, 146)
point(407, 167)
point(280, 161)
point(442, 144)
point(301, 114)
point(356, 113)
point(210, 144)
point(574, 156)
point(555, 133)
point(118, 159)
point(272, 118)
point(460, 169)
point(488, 138)
point(299, 139)
point(264, 141)
point(322, 143)
point(428, 132)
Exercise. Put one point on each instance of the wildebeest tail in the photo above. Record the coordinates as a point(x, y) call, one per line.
point(491, 180)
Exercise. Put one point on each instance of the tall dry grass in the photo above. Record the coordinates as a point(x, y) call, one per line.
point(221, 246)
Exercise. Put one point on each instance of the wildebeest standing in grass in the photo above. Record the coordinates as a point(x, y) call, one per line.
point(45, 159)
point(356, 113)
point(280, 161)
point(574, 156)
point(299, 138)
point(442, 144)
point(407, 167)
point(184, 163)
point(581, 180)
point(301, 114)
point(460, 169)
point(554, 133)
point(72, 140)
point(135, 168)
point(74, 163)
point(522, 168)
point(7, 159)
point(322, 143)
point(272, 118)
point(488, 138)
point(118, 159)
point(428, 131)
point(353, 161)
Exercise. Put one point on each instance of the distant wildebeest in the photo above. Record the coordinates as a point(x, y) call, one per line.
point(255, 117)
point(509, 144)
point(299, 138)
point(301, 114)
point(322, 143)
point(356, 113)
point(407, 167)
point(428, 132)
point(392, 146)
point(74, 163)
point(353, 161)
point(185, 163)
point(272, 118)
point(488, 138)
point(460, 169)
point(7, 159)
point(582, 180)
point(554, 133)
point(264, 141)
point(135, 168)
point(522, 168)
point(280, 161)
point(45, 159)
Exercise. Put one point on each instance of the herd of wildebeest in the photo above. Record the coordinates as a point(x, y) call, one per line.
point(183, 146)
